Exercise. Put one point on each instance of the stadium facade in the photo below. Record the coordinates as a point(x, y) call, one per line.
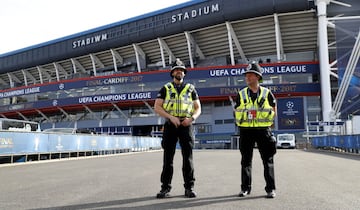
point(107, 78)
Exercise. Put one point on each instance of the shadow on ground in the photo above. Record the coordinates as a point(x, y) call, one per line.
point(166, 203)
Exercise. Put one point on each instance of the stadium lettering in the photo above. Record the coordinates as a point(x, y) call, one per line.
point(135, 96)
point(227, 91)
point(206, 10)
point(116, 97)
point(85, 100)
point(291, 69)
point(89, 40)
point(32, 90)
point(117, 80)
point(274, 89)
point(12, 93)
point(236, 72)
point(20, 92)
point(219, 72)
point(109, 98)
point(226, 72)
point(268, 70)
point(94, 82)
point(105, 98)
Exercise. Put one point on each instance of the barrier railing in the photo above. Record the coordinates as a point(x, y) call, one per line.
point(344, 143)
point(32, 146)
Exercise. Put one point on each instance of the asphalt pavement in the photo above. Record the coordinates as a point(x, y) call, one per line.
point(304, 179)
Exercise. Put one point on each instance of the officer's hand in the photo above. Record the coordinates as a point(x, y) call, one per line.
point(186, 122)
point(175, 121)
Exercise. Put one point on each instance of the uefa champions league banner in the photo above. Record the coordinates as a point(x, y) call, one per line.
point(37, 142)
point(309, 89)
point(290, 113)
point(158, 76)
point(346, 32)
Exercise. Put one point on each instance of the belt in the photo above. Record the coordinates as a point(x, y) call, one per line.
point(180, 118)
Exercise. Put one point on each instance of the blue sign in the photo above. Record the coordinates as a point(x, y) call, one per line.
point(225, 141)
point(290, 113)
point(319, 123)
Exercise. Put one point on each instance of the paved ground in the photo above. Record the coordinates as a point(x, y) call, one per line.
point(305, 180)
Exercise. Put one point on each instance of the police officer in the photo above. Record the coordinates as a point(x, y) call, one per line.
point(179, 103)
point(254, 114)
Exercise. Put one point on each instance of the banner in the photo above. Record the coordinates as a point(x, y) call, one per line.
point(283, 89)
point(124, 80)
point(290, 113)
point(38, 142)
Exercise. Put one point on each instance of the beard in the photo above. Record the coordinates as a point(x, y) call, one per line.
point(178, 77)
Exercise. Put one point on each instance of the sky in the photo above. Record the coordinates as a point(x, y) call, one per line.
point(24, 23)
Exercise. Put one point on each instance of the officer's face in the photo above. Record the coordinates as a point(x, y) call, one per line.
point(178, 74)
point(251, 78)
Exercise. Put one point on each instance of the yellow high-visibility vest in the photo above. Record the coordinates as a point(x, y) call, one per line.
point(179, 104)
point(254, 114)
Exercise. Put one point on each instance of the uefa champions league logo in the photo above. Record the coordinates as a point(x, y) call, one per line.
point(290, 113)
point(290, 105)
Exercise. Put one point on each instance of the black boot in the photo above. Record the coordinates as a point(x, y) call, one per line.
point(190, 193)
point(164, 193)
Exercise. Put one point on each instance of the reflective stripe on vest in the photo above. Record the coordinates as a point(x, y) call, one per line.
point(254, 114)
point(179, 105)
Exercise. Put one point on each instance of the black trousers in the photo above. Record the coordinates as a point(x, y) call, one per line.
point(185, 137)
point(267, 149)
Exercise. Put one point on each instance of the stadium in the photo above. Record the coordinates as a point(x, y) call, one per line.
point(106, 79)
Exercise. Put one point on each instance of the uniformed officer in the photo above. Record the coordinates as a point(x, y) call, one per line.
point(254, 114)
point(179, 103)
